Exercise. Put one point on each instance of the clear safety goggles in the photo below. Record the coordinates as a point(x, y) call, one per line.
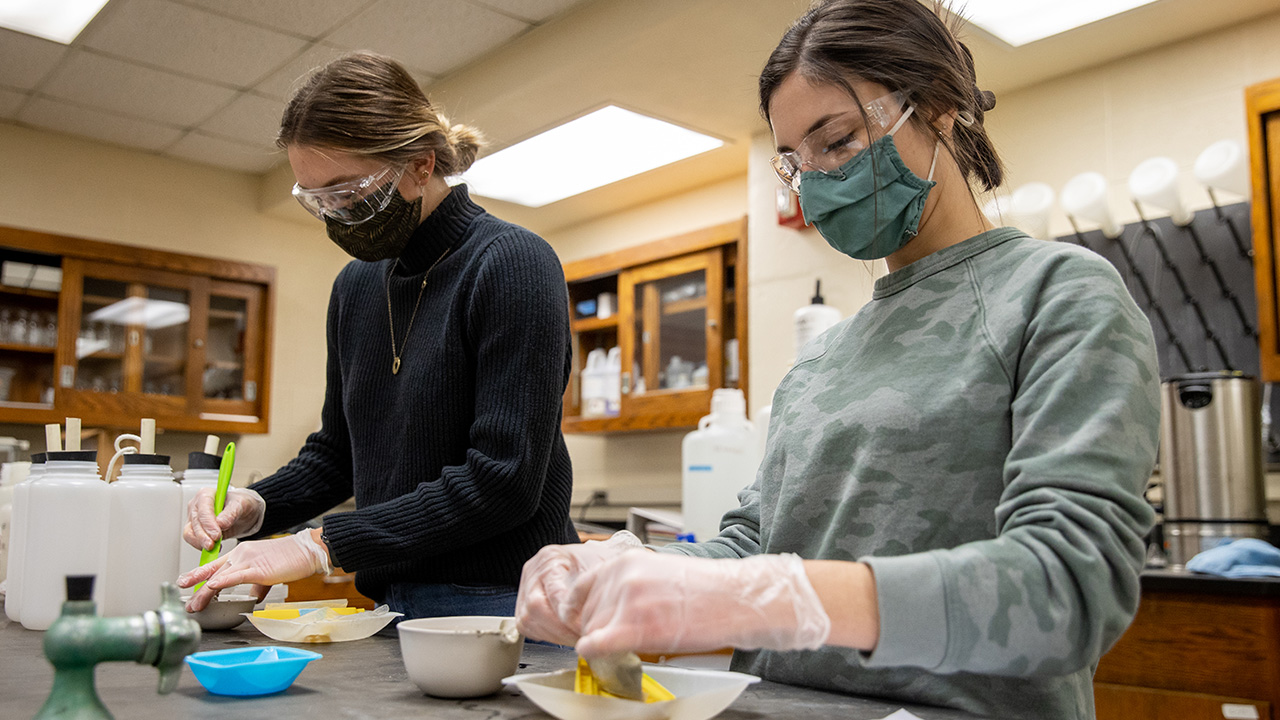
point(354, 201)
point(836, 141)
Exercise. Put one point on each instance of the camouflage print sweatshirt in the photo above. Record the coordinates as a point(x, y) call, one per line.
point(980, 434)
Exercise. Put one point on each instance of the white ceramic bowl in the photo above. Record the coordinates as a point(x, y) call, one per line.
point(464, 656)
point(224, 612)
point(700, 694)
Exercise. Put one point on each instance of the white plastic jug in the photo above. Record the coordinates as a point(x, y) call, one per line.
point(201, 472)
point(719, 459)
point(145, 503)
point(594, 375)
point(612, 380)
point(18, 530)
point(66, 534)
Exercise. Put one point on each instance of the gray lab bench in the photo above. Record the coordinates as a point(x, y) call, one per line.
point(361, 679)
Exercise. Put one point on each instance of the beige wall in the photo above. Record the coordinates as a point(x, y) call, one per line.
point(60, 184)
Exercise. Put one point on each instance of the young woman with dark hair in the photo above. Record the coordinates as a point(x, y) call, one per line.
point(949, 510)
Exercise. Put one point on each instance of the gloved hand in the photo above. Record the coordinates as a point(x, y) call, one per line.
point(262, 562)
point(241, 515)
point(547, 577)
point(649, 602)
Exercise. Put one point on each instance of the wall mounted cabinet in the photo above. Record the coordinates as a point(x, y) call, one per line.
point(1262, 103)
point(131, 333)
point(677, 314)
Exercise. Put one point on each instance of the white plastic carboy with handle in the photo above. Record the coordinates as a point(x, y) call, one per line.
point(719, 459)
point(144, 503)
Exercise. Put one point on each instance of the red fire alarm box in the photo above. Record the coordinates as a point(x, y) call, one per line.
point(789, 213)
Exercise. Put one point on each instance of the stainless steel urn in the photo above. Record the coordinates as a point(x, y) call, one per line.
point(1211, 461)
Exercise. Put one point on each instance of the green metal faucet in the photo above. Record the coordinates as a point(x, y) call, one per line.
point(79, 640)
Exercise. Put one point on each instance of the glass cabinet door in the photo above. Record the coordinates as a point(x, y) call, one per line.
point(231, 374)
point(163, 322)
point(100, 346)
point(673, 343)
point(134, 332)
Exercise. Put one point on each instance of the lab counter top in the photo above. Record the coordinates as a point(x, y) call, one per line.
point(362, 679)
point(1166, 581)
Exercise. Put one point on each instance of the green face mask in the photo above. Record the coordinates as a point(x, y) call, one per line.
point(874, 209)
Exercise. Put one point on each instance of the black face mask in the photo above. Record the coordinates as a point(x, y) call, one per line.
point(382, 236)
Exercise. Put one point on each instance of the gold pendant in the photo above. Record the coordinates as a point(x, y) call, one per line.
point(395, 365)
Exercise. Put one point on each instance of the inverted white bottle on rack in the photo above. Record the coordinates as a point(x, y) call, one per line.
point(18, 530)
point(201, 472)
point(66, 534)
point(145, 503)
point(719, 459)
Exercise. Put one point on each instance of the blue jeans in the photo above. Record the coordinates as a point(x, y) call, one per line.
point(423, 600)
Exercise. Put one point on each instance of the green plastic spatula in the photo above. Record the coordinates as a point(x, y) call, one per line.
point(219, 500)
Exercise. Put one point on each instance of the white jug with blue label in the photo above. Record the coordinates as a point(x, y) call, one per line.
point(719, 459)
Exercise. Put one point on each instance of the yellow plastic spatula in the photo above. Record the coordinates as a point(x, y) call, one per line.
point(219, 501)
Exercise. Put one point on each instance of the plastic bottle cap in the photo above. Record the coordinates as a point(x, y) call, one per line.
point(80, 587)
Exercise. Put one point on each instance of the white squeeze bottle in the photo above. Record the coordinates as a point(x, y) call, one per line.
point(145, 503)
point(201, 472)
point(814, 319)
point(18, 530)
point(719, 459)
point(66, 530)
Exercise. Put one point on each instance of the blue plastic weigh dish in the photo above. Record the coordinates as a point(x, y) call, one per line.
point(245, 672)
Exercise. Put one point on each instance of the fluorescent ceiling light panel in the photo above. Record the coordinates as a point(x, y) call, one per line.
point(1019, 22)
point(151, 314)
point(596, 149)
point(56, 20)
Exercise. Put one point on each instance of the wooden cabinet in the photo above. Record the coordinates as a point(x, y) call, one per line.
point(138, 333)
point(1262, 104)
point(678, 324)
point(1199, 647)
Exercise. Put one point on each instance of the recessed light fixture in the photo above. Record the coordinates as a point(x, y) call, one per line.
point(596, 149)
point(56, 20)
point(1019, 22)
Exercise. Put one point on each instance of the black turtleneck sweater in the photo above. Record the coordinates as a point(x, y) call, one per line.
point(458, 467)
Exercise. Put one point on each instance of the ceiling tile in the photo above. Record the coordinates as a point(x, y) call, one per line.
point(308, 18)
point(434, 35)
point(123, 87)
point(224, 153)
point(530, 11)
point(191, 41)
point(285, 81)
point(108, 127)
point(10, 101)
point(251, 119)
point(26, 60)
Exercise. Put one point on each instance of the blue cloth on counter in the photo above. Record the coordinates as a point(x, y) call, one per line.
point(1242, 558)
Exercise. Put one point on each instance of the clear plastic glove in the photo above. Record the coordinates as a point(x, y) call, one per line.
point(241, 515)
point(547, 577)
point(261, 562)
point(649, 602)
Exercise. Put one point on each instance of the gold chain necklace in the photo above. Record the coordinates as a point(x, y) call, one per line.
point(395, 356)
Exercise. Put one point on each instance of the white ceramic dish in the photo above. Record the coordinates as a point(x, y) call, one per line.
point(318, 626)
point(223, 612)
point(700, 694)
point(465, 656)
